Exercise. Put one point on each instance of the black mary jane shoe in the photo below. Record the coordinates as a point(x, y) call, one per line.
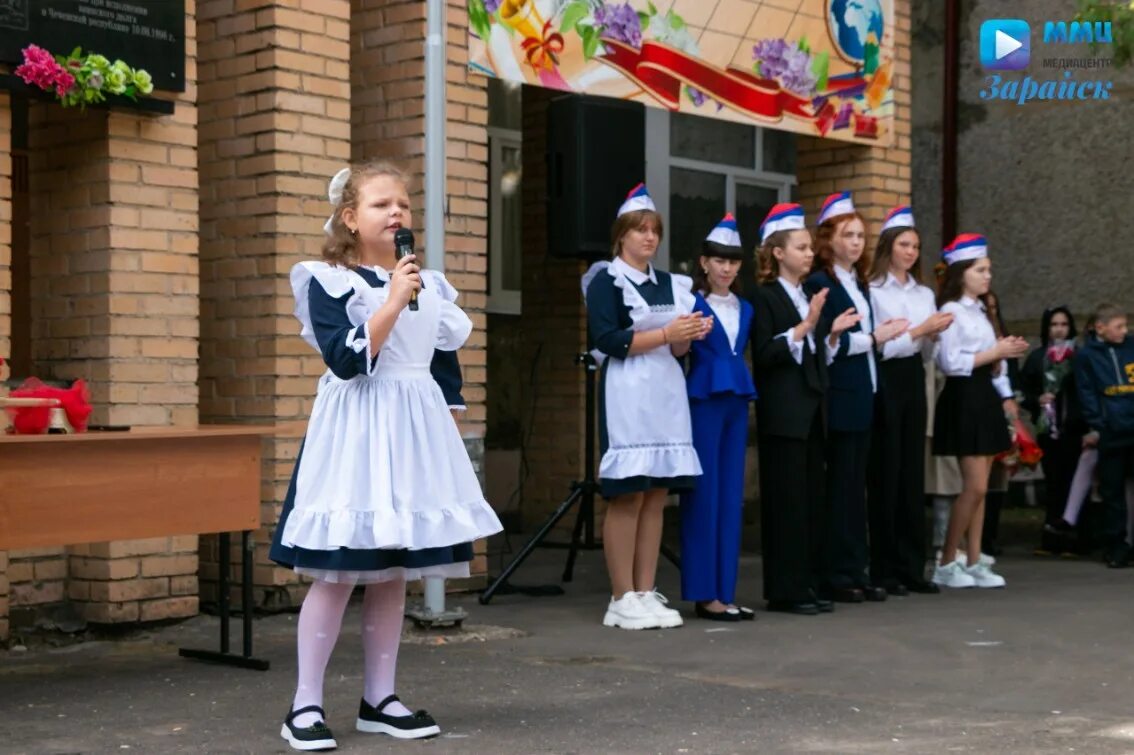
point(787, 606)
point(372, 720)
point(314, 737)
point(705, 613)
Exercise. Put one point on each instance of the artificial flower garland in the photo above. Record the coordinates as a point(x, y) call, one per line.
point(82, 80)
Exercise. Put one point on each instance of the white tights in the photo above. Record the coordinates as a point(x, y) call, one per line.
point(320, 620)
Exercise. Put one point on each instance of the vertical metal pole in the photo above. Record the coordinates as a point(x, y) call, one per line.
point(246, 554)
point(435, 134)
point(435, 13)
point(224, 557)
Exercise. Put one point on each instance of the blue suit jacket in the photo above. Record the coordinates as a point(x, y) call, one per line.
point(850, 397)
point(714, 366)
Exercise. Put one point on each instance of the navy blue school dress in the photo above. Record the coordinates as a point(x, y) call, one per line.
point(645, 435)
point(720, 387)
point(383, 487)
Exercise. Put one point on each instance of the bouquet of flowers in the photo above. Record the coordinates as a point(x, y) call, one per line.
point(1057, 365)
point(1024, 451)
point(82, 80)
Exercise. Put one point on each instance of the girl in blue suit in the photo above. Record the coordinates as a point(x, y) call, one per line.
point(840, 266)
point(720, 387)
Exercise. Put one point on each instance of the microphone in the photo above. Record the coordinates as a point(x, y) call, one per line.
point(403, 245)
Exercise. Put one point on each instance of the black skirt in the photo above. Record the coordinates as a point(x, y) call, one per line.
point(969, 419)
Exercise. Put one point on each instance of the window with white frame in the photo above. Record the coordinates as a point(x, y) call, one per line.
point(699, 168)
point(505, 281)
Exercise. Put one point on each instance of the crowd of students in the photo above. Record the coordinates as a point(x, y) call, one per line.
point(871, 390)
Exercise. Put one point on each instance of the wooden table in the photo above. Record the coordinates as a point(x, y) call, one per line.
point(147, 482)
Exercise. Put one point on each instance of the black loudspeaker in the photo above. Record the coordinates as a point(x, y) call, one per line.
point(596, 155)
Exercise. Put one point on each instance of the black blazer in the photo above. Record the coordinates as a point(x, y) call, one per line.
point(851, 396)
point(788, 394)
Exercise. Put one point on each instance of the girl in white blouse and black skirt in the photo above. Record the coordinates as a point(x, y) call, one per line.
point(969, 421)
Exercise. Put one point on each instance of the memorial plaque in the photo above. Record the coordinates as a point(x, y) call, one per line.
point(147, 34)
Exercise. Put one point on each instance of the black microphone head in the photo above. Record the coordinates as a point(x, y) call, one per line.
point(403, 242)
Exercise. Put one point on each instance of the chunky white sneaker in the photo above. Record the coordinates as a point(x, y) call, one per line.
point(983, 576)
point(655, 603)
point(963, 557)
point(628, 612)
point(953, 575)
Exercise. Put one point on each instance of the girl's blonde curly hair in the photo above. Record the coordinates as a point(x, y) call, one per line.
point(341, 246)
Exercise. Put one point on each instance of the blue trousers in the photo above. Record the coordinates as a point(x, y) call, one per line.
point(711, 514)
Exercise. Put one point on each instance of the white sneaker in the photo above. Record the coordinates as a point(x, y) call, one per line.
point(629, 612)
point(953, 575)
point(655, 603)
point(963, 557)
point(983, 576)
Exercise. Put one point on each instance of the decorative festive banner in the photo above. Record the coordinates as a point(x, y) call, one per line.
point(818, 67)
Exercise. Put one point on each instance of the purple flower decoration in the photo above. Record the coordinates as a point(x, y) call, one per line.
point(785, 63)
point(696, 95)
point(492, 5)
point(621, 23)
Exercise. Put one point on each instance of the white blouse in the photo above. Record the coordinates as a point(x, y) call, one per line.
point(909, 300)
point(970, 334)
point(860, 341)
point(727, 310)
point(802, 306)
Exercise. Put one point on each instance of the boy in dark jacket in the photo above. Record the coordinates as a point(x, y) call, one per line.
point(1104, 376)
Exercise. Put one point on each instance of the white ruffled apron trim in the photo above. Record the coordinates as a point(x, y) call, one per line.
point(457, 570)
point(647, 406)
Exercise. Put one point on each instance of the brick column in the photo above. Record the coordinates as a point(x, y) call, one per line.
point(114, 285)
point(388, 122)
point(275, 125)
point(879, 177)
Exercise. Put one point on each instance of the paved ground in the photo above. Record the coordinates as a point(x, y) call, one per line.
point(1044, 666)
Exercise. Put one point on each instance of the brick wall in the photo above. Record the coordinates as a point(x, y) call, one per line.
point(275, 125)
point(879, 177)
point(113, 246)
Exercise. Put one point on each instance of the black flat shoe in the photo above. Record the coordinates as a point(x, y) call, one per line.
point(824, 605)
point(314, 737)
point(897, 589)
point(924, 587)
point(847, 595)
point(746, 614)
point(787, 606)
point(372, 720)
point(705, 613)
point(873, 593)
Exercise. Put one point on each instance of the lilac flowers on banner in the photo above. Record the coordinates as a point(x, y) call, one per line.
point(620, 22)
point(492, 5)
point(787, 63)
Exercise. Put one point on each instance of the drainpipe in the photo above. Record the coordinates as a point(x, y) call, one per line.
point(949, 123)
point(434, 603)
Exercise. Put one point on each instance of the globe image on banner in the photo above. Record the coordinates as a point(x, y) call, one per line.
point(852, 22)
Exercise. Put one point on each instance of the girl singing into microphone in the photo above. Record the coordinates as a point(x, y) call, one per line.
point(383, 490)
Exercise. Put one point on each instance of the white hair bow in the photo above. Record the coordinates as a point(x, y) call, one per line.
point(335, 195)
